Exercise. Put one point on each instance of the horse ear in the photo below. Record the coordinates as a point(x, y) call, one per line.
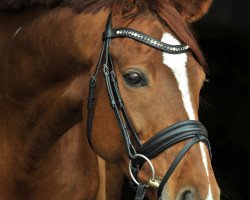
point(192, 10)
point(126, 8)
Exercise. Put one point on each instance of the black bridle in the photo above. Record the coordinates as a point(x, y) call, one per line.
point(184, 130)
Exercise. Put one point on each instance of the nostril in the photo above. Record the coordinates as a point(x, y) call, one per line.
point(187, 195)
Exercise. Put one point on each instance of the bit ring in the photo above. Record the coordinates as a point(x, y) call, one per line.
point(150, 164)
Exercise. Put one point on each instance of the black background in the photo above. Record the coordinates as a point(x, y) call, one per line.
point(224, 36)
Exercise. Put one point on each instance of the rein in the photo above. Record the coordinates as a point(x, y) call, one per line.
point(191, 130)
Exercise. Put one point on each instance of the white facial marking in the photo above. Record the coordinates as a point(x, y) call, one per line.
point(209, 195)
point(205, 163)
point(204, 157)
point(177, 63)
point(164, 196)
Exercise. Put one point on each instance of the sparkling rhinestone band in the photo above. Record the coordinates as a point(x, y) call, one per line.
point(146, 39)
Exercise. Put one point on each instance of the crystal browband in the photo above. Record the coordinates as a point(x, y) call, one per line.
point(146, 39)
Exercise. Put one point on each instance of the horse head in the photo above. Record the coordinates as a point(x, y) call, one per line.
point(151, 72)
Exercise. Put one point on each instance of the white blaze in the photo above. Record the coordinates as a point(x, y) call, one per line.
point(204, 159)
point(177, 63)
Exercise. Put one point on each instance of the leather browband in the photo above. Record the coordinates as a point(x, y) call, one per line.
point(145, 39)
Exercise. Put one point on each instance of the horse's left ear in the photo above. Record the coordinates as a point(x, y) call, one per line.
point(192, 10)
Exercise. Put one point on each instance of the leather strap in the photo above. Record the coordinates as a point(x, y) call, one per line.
point(140, 192)
point(176, 133)
point(121, 106)
point(91, 97)
point(168, 137)
point(114, 96)
point(175, 163)
point(91, 100)
point(145, 39)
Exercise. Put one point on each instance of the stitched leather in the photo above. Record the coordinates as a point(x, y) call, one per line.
point(145, 39)
point(166, 138)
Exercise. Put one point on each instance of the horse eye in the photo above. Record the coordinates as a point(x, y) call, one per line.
point(133, 79)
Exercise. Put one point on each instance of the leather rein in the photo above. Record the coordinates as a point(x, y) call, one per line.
point(191, 130)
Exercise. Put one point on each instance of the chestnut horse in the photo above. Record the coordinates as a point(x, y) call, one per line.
point(49, 50)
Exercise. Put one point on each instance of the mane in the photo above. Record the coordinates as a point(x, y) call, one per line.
point(162, 8)
point(20, 4)
point(83, 5)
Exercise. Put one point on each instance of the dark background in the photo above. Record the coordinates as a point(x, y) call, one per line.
point(224, 36)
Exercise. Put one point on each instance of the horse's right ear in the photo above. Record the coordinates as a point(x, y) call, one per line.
point(126, 8)
point(190, 10)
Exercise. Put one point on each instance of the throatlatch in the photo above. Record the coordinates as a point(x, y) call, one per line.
point(190, 130)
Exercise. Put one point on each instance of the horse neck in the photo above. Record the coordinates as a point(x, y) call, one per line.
point(44, 73)
point(52, 47)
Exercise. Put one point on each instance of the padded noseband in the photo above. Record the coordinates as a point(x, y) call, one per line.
point(174, 134)
point(181, 131)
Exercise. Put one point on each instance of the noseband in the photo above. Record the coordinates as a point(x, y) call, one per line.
point(190, 130)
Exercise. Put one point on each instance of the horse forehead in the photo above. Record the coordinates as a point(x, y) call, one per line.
point(148, 24)
point(129, 48)
point(153, 28)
